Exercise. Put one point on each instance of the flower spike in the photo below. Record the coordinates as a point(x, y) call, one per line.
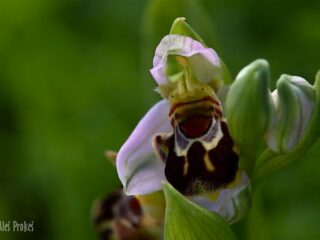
point(211, 138)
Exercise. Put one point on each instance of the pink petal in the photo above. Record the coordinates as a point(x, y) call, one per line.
point(138, 167)
point(204, 61)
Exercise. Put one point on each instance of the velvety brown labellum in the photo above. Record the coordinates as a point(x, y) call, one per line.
point(200, 170)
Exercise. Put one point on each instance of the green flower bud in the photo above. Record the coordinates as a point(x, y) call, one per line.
point(248, 110)
point(294, 103)
point(295, 126)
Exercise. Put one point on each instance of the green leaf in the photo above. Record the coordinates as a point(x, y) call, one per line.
point(186, 220)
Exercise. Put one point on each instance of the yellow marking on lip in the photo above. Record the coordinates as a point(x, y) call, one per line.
point(185, 167)
point(209, 166)
point(205, 101)
point(236, 181)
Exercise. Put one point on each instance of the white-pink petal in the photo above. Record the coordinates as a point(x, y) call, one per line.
point(138, 167)
point(203, 61)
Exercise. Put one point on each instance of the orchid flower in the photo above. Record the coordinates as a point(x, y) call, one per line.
point(208, 146)
point(118, 216)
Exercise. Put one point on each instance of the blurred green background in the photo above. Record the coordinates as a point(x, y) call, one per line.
point(74, 81)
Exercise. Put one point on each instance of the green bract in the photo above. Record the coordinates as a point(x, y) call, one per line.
point(185, 220)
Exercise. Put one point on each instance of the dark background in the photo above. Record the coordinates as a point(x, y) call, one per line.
point(74, 81)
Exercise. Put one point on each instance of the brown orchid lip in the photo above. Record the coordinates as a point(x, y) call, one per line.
point(179, 104)
point(201, 170)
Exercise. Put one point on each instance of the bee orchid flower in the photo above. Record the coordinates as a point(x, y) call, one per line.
point(184, 138)
point(208, 152)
